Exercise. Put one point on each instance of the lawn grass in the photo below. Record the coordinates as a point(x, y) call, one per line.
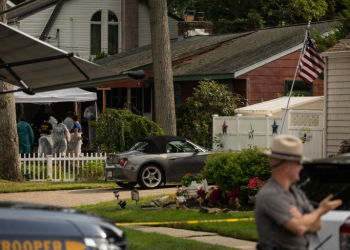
point(11, 187)
point(133, 213)
point(139, 241)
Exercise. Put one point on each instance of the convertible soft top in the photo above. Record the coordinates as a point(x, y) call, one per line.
point(158, 143)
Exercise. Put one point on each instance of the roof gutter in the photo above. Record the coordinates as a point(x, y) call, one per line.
point(202, 77)
point(17, 6)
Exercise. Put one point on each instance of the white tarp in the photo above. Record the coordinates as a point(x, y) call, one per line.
point(63, 95)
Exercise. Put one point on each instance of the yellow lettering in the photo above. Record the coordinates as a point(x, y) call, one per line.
point(27, 245)
point(16, 245)
point(47, 245)
point(37, 245)
point(56, 245)
point(5, 245)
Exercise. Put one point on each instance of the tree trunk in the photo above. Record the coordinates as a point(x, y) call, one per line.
point(163, 74)
point(9, 152)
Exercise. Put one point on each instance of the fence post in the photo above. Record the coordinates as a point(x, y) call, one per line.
point(267, 130)
point(49, 166)
point(239, 146)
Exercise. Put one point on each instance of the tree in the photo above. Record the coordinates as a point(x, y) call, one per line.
point(163, 74)
point(194, 117)
point(9, 152)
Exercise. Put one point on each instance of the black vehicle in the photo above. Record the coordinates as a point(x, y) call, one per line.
point(33, 226)
point(318, 179)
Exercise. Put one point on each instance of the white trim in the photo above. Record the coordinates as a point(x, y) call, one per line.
point(325, 108)
point(11, 4)
point(345, 53)
point(268, 60)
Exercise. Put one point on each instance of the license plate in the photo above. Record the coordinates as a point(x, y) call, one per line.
point(109, 174)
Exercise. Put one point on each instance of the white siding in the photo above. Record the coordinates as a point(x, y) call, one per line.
point(81, 12)
point(338, 102)
point(173, 28)
point(35, 24)
point(145, 28)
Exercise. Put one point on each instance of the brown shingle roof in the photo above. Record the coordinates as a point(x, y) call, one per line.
point(222, 54)
point(339, 47)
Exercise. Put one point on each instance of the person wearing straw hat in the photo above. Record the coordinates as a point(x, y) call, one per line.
point(283, 214)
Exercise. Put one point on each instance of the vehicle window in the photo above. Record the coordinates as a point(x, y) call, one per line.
point(317, 189)
point(179, 147)
point(140, 146)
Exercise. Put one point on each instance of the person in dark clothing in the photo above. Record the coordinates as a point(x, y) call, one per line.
point(25, 135)
point(46, 126)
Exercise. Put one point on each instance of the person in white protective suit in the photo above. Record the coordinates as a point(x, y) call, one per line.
point(53, 120)
point(90, 113)
point(69, 120)
point(76, 139)
point(60, 137)
point(45, 140)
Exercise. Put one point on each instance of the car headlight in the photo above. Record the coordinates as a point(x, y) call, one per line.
point(104, 244)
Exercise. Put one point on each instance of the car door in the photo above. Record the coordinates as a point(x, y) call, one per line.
point(183, 158)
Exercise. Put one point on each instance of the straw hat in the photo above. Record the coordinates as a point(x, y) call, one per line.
point(286, 147)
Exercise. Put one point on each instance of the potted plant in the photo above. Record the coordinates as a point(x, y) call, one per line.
point(190, 183)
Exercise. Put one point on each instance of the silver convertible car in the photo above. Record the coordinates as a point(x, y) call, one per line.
point(155, 160)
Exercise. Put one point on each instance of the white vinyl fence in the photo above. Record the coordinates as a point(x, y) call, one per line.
point(62, 168)
point(239, 132)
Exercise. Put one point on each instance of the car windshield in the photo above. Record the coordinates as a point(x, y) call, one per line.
point(199, 147)
point(140, 146)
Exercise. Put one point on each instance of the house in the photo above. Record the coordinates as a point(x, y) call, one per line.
point(258, 65)
point(337, 96)
point(87, 27)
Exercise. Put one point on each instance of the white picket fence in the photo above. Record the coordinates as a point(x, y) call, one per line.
point(58, 167)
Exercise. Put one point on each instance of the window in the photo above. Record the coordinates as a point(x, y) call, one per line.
point(112, 33)
point(179, 146)
point(95, 38)
point(300, 88)
point(140, 146)
point(177, 93)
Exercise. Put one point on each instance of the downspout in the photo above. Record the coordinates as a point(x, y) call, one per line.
point(71, 34)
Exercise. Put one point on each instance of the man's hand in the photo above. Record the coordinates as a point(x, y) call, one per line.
point(293, 210)
point(327, 204)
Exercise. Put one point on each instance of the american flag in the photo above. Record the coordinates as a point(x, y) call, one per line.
point(311, 64)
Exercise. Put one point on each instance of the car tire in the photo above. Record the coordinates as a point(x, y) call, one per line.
point(150, 176)
point(124, 184)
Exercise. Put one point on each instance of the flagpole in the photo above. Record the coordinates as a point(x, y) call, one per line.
point(295, 74)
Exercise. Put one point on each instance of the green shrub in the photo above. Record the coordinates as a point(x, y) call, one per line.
point(118, 129)
point(233, 170)
point(91, 171)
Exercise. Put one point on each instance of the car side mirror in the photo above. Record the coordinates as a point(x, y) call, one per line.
point(196, 151)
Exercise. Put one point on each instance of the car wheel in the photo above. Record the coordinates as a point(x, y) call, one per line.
point(150, 176)
point(124, 184)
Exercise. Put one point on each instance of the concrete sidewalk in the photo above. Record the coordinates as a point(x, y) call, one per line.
point(72, 198)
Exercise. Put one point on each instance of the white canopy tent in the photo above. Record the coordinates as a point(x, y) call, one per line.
point(63, 95)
